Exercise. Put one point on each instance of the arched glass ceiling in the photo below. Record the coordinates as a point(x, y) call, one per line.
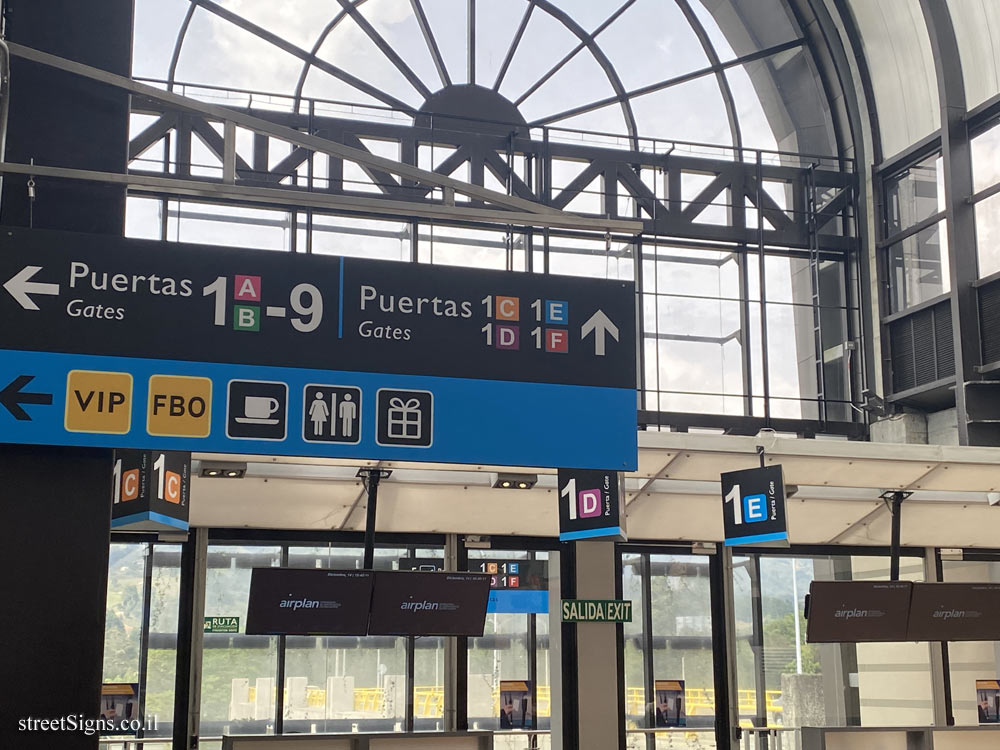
point(898, 51)
point(977, 28)
point(694, 70)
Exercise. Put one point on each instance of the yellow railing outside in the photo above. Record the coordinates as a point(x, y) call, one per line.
point(428, 701)
point(701, 701)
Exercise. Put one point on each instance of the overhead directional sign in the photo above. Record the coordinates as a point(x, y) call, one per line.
point(135, 344)
point(591, 505)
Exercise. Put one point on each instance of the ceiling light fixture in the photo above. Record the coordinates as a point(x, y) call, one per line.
point(223, 469)
point(512, 481)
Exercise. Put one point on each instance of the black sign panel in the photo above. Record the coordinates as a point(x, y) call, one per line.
point(590, 505)
point(954, 612)
point(91, 294)
point(753, 504)
point(857, 611)
point(151, 490)
point(424, 603)
point(293, 601)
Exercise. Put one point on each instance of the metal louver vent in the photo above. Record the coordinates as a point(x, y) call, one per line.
point(922, 347)
point(989, 321)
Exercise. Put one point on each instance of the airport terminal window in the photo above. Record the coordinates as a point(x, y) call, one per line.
point(972, 660)
point(986, 174)
point(865, 684)
point(123, 616)
point(239, 672)
point(669, 639)
point(510, 649)
point(143, 581)
point(344, 683)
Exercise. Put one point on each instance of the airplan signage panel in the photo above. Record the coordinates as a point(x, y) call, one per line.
point(135, 344)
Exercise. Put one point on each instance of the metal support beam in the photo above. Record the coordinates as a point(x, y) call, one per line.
point(216, 191)
point(894, 501)
point(259, 125)
point(371, 478)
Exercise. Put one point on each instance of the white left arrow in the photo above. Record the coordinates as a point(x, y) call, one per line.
point(19, 286)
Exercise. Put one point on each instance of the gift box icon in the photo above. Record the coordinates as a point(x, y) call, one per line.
point(405, 419)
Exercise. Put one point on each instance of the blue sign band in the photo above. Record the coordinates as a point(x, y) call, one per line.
point(149, 516)
point(518, 602)
point(473, 421)
point(590, 533)
point(776, 536)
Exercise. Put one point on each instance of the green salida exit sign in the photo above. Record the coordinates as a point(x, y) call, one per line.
point(222, 624)
point(596, 610)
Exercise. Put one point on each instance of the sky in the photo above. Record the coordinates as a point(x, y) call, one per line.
point(648, 42)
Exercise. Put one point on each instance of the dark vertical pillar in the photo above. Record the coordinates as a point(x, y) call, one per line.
point(57, 501)
point(59, 119)
point(959, 212)
point(53, 575)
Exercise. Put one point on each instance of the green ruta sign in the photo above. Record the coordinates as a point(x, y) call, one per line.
point(222, 624)
point(596, 610)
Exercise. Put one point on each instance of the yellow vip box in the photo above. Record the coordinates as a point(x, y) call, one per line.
point(98, 402)
point(179, 406)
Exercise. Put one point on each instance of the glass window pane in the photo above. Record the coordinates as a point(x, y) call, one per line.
point(971, 661)
point(986, 159)
point(123, 616)
point(161, 664)
point(344, 683)
point(918, 267)
point(239, 672)
point(682, 634)
point(914, 194)
point(988, 235)
point(636, 714)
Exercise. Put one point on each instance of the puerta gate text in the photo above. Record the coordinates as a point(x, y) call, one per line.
point(130, 343)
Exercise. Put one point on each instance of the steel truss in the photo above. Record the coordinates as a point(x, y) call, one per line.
point(637, 192)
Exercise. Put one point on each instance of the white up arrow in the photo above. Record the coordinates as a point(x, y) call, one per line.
point(599, 324)
point(19, 286)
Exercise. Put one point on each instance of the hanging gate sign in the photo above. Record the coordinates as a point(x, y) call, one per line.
point(753, 503)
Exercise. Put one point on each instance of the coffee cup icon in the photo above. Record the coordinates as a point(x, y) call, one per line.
point(259, 407)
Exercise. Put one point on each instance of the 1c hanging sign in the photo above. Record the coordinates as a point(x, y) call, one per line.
point(151, 490)
point(753, 506)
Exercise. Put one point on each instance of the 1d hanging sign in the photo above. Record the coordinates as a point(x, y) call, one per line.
point(753, 504)
point(151, 490)
point(590, 505)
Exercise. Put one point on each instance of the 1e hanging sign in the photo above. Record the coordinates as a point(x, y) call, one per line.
point(753, 504)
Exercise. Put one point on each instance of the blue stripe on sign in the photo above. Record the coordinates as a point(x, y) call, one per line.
point(474, 421)
point(591, 533)
point(776, 536)
point(515, 601)
point(149, 516)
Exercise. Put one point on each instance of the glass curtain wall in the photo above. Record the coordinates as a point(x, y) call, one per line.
point(668, 645)
point(514, 647)
point(140, 631)
point(986, 180)
point(970, 662)
point(785, 681)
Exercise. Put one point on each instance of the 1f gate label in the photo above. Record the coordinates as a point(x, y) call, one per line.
point(754, 506)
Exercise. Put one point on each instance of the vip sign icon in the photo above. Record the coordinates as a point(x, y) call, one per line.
point(754, 506)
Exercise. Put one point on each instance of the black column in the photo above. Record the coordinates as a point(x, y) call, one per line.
point(63, 120)
point(53, 578)
point(56, 502)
